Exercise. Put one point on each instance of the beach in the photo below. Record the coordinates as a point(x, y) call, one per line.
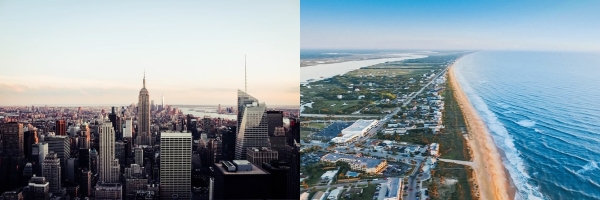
point(490, 174)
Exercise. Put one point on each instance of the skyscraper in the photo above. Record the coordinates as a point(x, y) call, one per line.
point(85, 134)
point(61, 127)
point(175, 165)
point(12, 139)
point(252, 125)
point(61, 145)
point(108, 166)
point(258, 156)
point(139, 156)
point(275, 119)
point(51, 171)
point(127, 128)
point(143, 116)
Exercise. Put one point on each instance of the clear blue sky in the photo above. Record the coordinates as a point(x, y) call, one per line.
point(424, 24)
point(95, 52)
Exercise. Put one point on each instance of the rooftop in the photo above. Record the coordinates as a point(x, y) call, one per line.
point(255, 170)
point(171, 134)
point(359, 125)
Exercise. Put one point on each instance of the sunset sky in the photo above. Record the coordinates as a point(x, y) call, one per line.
point(73, 52)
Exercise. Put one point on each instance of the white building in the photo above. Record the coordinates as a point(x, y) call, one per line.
point(108, 166)
point(333, 195)
point(175, 165)
point(304, 196)
point(355, 131)
point(127, 128)
point(434, 149)
point(328, 175)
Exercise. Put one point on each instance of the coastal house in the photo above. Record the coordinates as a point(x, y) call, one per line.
point(320, 195)
point(328, 175)
point(334, 194)
point(434, 149)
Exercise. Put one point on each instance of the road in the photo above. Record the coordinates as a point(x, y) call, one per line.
point(344, 184)
point(460, 162)
point(342, 116)
point(412, 182)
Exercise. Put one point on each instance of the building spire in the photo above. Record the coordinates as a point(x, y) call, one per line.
point(144, 78)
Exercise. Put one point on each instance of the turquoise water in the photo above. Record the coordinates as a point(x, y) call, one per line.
point(543, 111)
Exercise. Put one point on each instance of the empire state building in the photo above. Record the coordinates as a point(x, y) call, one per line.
point(143, 117)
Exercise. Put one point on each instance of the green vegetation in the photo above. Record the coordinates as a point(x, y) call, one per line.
point(451, 140)
point(315, 171)
point(367, 194)
point(336, 106)
point(439, 187)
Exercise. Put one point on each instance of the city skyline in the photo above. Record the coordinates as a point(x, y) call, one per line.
point(450, 25)
point(96, 53)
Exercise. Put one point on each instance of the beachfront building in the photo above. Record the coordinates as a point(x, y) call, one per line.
point(391, 190)
point(304, 196)
point(335, 194)
point(320, 195)
point(354, 132)
point(364, 164)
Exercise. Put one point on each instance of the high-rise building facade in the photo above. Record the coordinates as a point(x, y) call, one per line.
point(143, 116)
point(84, 131)
point(139, 156)
point(108, 166)
point(38, 154)
point(12, 139)
point(37, 188)
point(275, 119)
point(61, 127)
point(175, 165)
point(135, 180)
point(258, 156)
point(61, 145)
point(52, 172)
point(252, 125)
point(127, 128)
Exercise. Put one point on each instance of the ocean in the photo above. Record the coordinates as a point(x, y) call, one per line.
point(543, 111)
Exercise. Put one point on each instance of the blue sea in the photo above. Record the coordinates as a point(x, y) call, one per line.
point(543, 111)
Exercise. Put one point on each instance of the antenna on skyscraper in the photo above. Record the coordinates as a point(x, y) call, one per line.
point(245, 76)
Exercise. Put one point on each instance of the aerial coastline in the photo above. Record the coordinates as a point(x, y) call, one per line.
point(489, 170)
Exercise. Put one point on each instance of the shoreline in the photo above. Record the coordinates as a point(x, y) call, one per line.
point(319, 72)
point(491, 176)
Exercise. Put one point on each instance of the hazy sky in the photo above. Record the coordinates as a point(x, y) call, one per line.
point(423, 24)
point(75, 52)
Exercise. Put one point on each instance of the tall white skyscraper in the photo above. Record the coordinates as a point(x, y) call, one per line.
point(252, 125)
point(163, 102)
point(127, 128)
point(143, 116)
point(108, 166)
point(175, 165)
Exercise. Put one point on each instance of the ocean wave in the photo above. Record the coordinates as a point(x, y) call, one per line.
point(590, 166)
point(513, 161)
point(526, 123)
